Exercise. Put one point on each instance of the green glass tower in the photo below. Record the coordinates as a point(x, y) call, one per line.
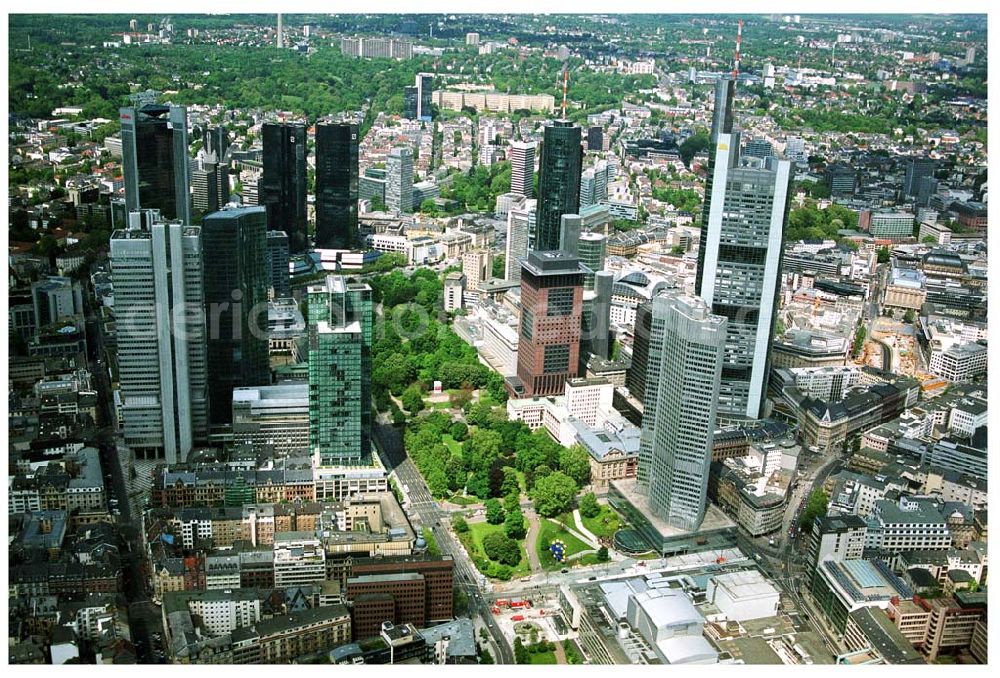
point(558, 181)
point(340, 366)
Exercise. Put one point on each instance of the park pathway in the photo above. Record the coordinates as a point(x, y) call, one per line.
point(578, 519)
point(560, 653)
point(529, 541)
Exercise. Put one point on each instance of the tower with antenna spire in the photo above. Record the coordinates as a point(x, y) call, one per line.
point(565, 88)
point(281, 36)
point(739, 259)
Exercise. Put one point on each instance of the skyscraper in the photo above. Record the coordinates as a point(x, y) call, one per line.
point(595, 325)
point(399, 180)
point(337, 185)
point(635, 378)
point(551, 306)
point(739, 261)
point(520, 223)
point(425, 94)
point(159, 302)
point(216, 140)
point(155, 160)
point(722, 123)
point(916, 170)
point(277, 263)
point(234, 242)
point(522, 168)
point(340, 392)
point(678, 423)
point(558, 181)
point(569, 233)
point(592, 250)
point(282, 188)
point(595, 138)
point(207, 185)
point(594, 184)
point(411, 97)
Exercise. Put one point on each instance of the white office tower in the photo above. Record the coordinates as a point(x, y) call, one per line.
point(520, 230)
point(399, 180)
point(795, 149)
point(156, 269)
point(685, 363)
point(522, 168)
point(594, 184)
point(487, 150)
point(768, 76)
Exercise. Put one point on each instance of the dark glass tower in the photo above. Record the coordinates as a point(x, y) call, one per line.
point(216, 140)
point(234, 243)
point(558, 181)
point(410, 98)
point(282, 188)
point(425, 92)
point(337, 185)
point(155, 160)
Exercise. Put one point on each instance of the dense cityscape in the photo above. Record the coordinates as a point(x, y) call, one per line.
point(497, 339)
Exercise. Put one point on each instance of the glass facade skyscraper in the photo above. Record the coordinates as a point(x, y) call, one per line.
point(337, 185)
point(155, 160)
point(282, 188)
point(678, 424)
point(340, 364)
point(235, 243)
point(558, 181)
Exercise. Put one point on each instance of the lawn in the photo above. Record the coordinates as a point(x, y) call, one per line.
point(462, 501)
point(453, 445)
point(605, 523)
point(550, 531)
point(547, 657)
point(473, 542)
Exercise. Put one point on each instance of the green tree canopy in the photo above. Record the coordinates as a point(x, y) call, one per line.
point(553, 494)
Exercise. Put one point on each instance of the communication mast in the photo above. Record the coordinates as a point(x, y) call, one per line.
point(565, 87)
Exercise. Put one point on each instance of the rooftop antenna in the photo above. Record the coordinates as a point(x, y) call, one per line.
point(565, 86)
point(736, 61)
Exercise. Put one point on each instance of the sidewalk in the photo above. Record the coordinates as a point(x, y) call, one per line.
point(580, 526)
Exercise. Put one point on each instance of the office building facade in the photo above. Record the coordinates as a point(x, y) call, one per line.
point(340, 399)
point(282, 188)
point(522, 168)
point(337, 186)
point(592, 249)
point(558, 181)
point(234, 242)
point(916, 170)
point(685, 364)
point(155, 160)
point(399, 180)
point(740, 263)
point(277, 264)
point(551, 307)
point(425, 94)
point(520, 224)
point(159, 298)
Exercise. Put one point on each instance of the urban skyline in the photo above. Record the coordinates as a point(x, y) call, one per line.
point(498, 339)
